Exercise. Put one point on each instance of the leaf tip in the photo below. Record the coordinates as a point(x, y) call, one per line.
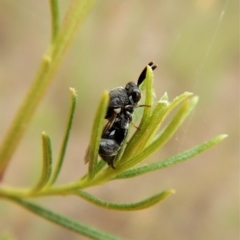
point(74, 95)
point(222, 136)
point(171, 191)
point(105, 97)
point(194, 100)
point(73, 91)
point(164, 99)
point(106, 94)
point(188, 93)
point(149, 68)
point(167, 193)
point(165, 96)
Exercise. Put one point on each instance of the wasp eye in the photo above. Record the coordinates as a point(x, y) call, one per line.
point(136, 96)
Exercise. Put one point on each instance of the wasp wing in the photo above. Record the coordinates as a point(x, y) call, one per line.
point(109, 124)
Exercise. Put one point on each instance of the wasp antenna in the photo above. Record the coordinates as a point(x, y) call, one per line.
point(144, 105)
point(144, 72)
point(138, 128)
point(142, 76)
point(154, 67)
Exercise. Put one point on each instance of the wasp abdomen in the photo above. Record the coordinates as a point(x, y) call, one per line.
point(108, 149)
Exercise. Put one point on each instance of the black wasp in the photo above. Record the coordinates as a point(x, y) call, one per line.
point(121, 106)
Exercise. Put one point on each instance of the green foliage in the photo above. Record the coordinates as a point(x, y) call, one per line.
point(68, 223)
point(144, 142)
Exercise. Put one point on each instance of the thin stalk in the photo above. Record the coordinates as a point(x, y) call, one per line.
point(55, 18)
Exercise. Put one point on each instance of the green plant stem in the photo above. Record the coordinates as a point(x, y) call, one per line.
point(54, 18)
point(107, 174)
point(50, 62)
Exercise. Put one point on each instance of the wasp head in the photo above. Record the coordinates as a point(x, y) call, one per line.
point(133, 92)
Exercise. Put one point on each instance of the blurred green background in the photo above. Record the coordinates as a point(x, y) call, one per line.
point(196, 47)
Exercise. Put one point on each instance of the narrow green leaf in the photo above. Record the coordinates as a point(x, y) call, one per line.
point(55, 18)
point(149, 98)
point(65, 222)
point(172, 160)
point(46, 163)
point(92, 151)
point(163, 138)
point(141, 136)
point(146, 203)
point(165, 134)
point(121, 150)
point(152, 125)
point(66, 136)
